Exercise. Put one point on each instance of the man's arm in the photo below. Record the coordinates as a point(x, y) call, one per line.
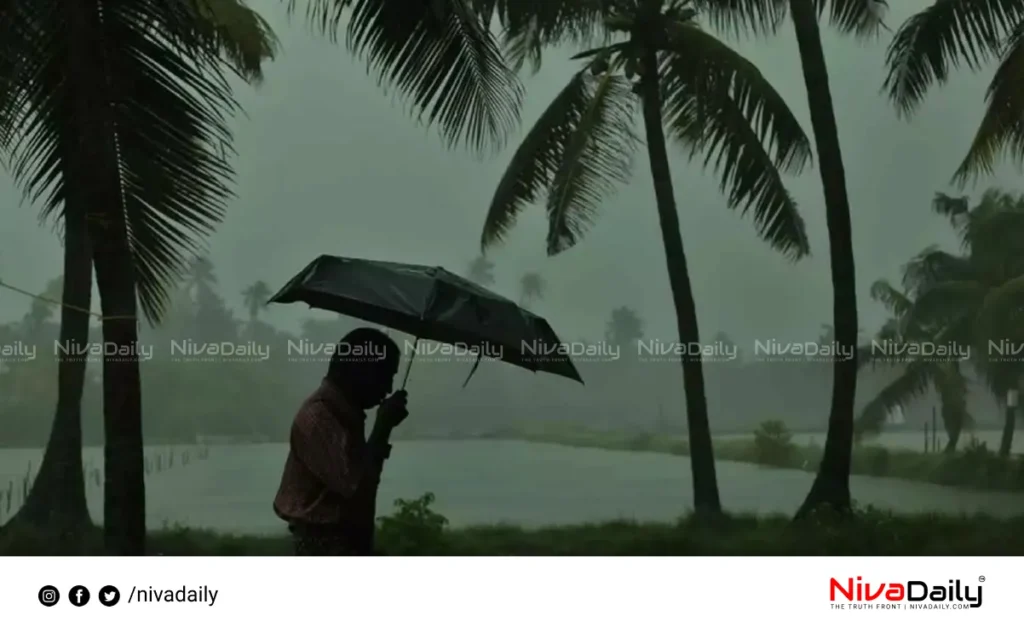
point(392, 411)
point(321, 444)
point(379, 445)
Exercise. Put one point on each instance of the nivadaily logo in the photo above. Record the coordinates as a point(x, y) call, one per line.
point(911, 594)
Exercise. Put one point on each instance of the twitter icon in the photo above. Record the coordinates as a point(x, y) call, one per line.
point(109, 596)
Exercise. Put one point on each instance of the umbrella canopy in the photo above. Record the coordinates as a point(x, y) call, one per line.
point(429, 302)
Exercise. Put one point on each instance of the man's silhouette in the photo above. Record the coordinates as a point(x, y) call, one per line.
point(329, 487)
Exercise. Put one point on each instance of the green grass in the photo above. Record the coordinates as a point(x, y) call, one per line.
point(974, 466)
point(869, 532)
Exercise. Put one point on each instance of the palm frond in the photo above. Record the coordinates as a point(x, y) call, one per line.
point(992, 232)
point(530, 26)
point(174, 142)
point(895, 301)
point(955, 208)
point(34, 111)
point(171, 102)
point(934, 266)
point(863, 18)
point(440, 55)
point(719, 104)
point(15, 41)
point(946, 302)
point(741, 16)
point(239, 34)
point(531, 171)
point(1002, 127)
point(942, 37)
point(912, 383)
point(597, 157)
point(1000, 312)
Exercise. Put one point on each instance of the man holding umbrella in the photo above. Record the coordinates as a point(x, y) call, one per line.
point(329, 487)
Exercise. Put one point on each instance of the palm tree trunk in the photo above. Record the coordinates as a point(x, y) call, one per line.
point(832, 485)
point(954, 429)
point(124, 498)
point(954, 438)
point(56, 504)
point(702, 456)
point(1006, 441)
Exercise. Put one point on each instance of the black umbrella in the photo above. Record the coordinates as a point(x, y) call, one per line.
point(429, 302)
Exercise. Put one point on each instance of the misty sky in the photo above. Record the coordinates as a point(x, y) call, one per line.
point(330, 164)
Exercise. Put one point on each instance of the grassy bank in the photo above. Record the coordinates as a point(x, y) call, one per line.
point(972, 466)
point(868, 533)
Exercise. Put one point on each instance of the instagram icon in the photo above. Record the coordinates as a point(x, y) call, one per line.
point(49, 596)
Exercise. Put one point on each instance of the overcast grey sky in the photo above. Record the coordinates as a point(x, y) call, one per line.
point(330, 164)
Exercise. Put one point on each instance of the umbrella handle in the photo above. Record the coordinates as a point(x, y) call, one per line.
point(412, 357)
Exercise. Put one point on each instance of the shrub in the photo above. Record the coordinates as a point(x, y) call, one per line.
point(967, 467)
point(641, 442)
point(681, 447)
point(976, 453)
point(413, 527)
point(877, 460)
point(1018, 482)
point(773, 444)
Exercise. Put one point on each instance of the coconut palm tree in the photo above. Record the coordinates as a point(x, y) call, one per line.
point(531, 286)
point(954, 33)
point(710, 100)
point(978, 296)
point(212, 320)
point(481, 270)
point(625, 327)
point(56, 503)
point(863, 18)
point(114, 115)
point(440, 55)
point(918, 373)
point(255, 297)
point(200, 276)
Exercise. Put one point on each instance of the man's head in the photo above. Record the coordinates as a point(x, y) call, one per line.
point(364, 366)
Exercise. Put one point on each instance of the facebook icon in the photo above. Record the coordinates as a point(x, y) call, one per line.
point(79, 596)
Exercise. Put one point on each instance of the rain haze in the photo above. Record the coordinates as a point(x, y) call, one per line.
point(328, 162)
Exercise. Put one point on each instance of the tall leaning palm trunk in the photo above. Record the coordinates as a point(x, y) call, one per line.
point(91, 123)
point(702, 462)
point(863, 18)
point(694, 89)
point(57, 500)
point(102, 122)
point(832, 484)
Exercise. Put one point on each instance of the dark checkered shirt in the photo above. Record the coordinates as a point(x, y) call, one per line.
point(332, 473)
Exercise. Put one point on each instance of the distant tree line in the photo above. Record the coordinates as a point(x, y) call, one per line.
point(250, 389)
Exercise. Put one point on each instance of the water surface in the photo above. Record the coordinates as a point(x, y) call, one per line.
point(506, 481)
